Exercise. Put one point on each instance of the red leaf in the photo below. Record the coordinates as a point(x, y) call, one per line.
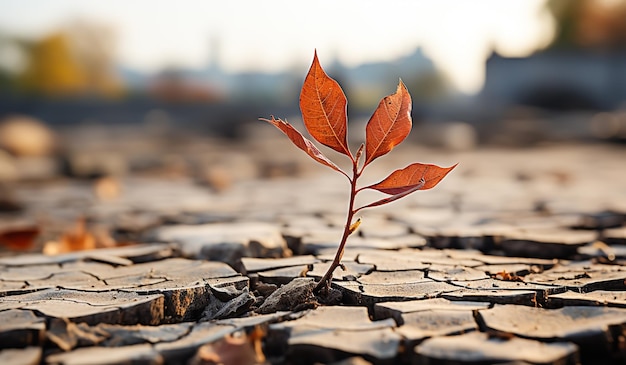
point(407, 178)
point(389, 125)
point(323, 106)
point(302, 143)
point(389, 199)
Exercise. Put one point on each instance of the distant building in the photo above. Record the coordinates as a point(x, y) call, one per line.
point(368, 82)
point(558, 79)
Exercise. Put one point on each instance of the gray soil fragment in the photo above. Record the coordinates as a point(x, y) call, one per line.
point(450, 273)
point(583, 277)
point(496, 284)
point(91, 307)
point(326, 334)
point(67, 335)
point(479, 348)
point(614, 236)
point(368, 294)
point(143, 354)
point(186, 346)
point(601, 220)
point(114, 256)
point(546, 243)
point(433, 323)
point(23, 356)
point(512, 269)
point(20, 328)
point(596, 330)
point(283, 275)
point(253, 264)
point(352, 270)
point(294, 296)
point(132, 335)
point(395, 310)
point(219, 308)
point(594, 298)
point(522, 297)
point(394, 277)
point(225, 242)
point(264, 289)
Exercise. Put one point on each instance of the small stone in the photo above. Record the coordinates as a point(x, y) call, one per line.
point(26, 136)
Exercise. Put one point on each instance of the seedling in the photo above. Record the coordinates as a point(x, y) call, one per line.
point(323, 106)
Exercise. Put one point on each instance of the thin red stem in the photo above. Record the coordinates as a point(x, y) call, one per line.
point(324, 283)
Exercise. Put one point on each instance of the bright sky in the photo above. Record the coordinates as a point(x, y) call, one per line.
point(272, 35)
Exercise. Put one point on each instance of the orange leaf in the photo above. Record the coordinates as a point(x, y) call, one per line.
point(76, 239)
point(302, 143)
point(389, 125)
point(20, 238)
point(409, 177)
point(323, 106)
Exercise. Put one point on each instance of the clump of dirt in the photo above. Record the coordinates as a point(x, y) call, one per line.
point(297, 295)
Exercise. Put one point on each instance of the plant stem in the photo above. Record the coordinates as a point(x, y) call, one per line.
point(324, 283)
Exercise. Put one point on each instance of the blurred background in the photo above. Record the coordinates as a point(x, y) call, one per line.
point(510, 72)
point(96, 91)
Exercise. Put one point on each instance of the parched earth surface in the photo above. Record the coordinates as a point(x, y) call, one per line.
point(209, 254)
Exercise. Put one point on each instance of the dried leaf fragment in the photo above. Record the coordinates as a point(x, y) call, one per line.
point(19, 238)
point(76, 239)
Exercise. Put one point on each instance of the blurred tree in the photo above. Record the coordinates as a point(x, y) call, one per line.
point(77, 62)
point(589, 23)
point(51, 69)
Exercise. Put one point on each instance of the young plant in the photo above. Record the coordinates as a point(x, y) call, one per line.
point(323, 106)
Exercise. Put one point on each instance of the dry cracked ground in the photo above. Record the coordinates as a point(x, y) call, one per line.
point(208, 254)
